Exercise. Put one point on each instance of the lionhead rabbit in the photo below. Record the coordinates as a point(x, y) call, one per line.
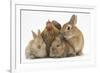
point(61, 48)
point(73, 35)
point(36, 47)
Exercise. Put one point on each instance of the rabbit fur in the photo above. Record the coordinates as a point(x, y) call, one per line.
point(73, 35)
point(36, 47)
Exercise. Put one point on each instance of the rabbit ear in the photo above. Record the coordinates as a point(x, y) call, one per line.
point(73, 20)
point(34, 34)
point(39, 32)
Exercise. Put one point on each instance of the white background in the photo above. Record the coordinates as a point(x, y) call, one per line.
point(5, 35)
point(37, 20)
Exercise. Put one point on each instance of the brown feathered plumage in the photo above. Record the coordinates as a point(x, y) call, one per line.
point(51, 30)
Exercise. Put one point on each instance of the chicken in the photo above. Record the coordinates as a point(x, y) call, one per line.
point(51, 30)
point(56, 24)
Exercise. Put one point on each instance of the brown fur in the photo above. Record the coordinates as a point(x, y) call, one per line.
point(61, 48)
point(73, 35)
point(36, 47)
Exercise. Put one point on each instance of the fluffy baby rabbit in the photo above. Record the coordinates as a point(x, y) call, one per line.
point(61, 48)
point(73, 35)
point(36, 47)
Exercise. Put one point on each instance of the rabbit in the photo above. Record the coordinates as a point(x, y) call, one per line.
point(61, 48)
point(73, 35)
point(36, 47)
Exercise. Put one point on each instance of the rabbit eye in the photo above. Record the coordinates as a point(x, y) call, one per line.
point(68, 28)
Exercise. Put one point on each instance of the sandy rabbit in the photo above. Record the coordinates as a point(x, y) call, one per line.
point(61, 48)
point(36, 47)
point(73, 35)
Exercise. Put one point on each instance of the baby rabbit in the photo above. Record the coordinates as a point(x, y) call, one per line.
point(73, 35)
point(61, 48)
point(36, 47)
